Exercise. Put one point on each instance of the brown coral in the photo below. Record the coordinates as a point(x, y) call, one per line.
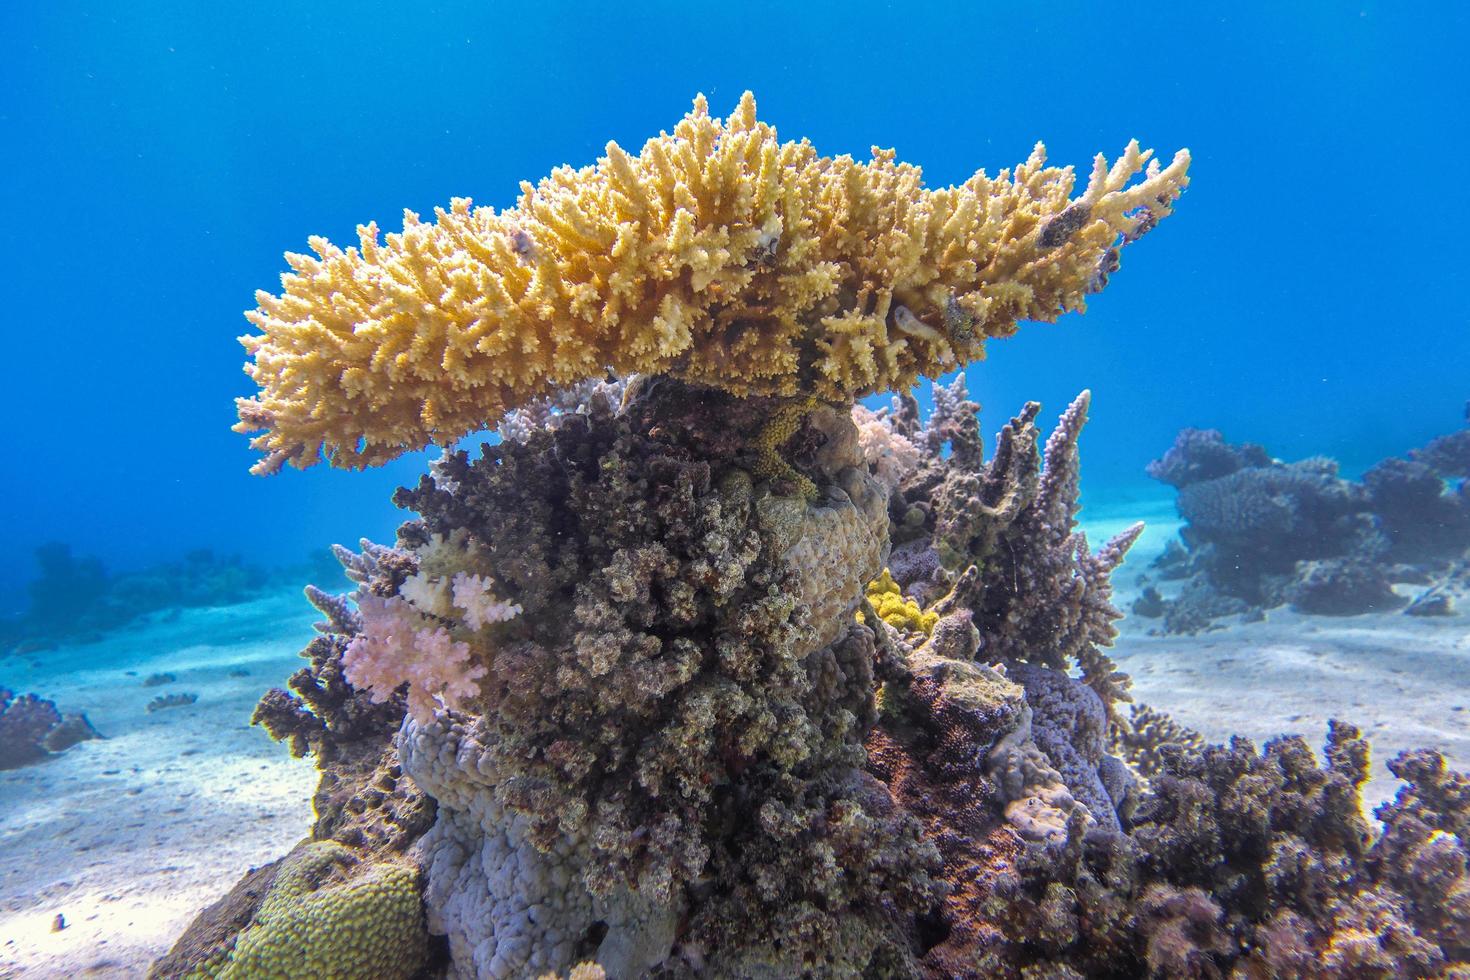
point(1037, 592)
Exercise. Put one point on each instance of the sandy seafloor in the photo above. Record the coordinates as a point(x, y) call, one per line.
point(129, 837)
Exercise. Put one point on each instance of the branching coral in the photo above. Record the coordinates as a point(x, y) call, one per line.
point(1037, 592)
point(393, 649)
point(889, 453)
point(1246, 864)
point(717, 255)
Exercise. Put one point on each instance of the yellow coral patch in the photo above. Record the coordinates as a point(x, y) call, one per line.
point(897, 611)
point(718, 255)
point(778, 430)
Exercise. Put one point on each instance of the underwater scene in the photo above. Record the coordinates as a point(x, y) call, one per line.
point(741, 491)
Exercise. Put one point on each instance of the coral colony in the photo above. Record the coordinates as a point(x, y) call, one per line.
point(704, 670)
point(1260, 533)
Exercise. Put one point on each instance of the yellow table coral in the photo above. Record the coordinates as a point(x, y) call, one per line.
point(718, 255)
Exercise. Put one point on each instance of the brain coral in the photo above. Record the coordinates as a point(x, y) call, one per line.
point(717, 255)
point(312, 923)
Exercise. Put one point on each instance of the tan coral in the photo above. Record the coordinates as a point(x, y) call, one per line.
point(717, 255)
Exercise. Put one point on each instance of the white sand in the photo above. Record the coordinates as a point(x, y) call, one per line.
point(1403, 680)
point(130, 837)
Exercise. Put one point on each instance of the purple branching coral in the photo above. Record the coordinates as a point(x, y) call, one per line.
point(1247, 864)
point(1037, 592)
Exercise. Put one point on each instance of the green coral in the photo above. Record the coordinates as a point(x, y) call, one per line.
point(897, 611)
point(326, 915)
point(778, 430)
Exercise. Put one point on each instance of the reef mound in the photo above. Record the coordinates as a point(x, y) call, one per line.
point(705, 671)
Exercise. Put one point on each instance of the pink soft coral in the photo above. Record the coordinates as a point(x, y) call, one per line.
point(392, 650)
point(475, 595)
point(890, 454)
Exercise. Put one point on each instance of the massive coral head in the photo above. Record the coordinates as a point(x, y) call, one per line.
point(717, 255)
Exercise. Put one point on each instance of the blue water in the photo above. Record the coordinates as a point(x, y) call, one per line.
point(1310, 293)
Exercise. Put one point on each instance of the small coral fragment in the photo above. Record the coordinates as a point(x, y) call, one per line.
point(895, 609)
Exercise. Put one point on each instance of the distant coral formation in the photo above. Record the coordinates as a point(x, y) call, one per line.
point(77, 599)
point(32, 730)
point(717, 255)
point(1261, 533)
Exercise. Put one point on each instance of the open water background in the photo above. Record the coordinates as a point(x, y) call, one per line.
point(1310, 293)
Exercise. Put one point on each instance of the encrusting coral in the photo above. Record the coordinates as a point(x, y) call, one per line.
point(718, 255)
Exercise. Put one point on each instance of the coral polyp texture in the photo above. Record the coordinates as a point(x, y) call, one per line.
point(717, 255)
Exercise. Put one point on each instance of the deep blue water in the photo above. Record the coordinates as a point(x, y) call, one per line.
point(1310, 292)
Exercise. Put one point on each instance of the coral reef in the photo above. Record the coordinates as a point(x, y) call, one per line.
point(1261, 533)
point(685, 654)
point(1142, 738)
point(659, 708)
point(77, 599)
point(702, 747)
point(718, 255)
point(1245, 864)
point(32, 730)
